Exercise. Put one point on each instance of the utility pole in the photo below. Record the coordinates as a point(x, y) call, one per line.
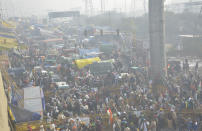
point(86, 7)
point(144, 4)
point(125, 6)
point(157, 34)
point(101, 6)
point(134, 5)
point(91, 7)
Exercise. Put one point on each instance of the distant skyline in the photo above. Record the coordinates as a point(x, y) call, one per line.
point(41, 7)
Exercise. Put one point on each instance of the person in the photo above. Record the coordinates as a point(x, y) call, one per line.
point(195, 125)
point(127, 129)
point(196, 68)
point(144, 125)
point(41, 128)
point(52, 127)
point(153, 125)
point(189, 124)
point(29, 128)
point(186, 65)
point(98, 126)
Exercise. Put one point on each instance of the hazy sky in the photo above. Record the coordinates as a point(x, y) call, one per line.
point(39, 7)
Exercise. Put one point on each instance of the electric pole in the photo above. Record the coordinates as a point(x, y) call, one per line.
point(86, 7)
point(125, 6)
point(101, 6)
point(89, 7)
point(144, 4)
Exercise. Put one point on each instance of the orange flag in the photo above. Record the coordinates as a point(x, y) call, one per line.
point(110, 116)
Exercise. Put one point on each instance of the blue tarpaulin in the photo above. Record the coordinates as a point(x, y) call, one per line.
point(23, 115)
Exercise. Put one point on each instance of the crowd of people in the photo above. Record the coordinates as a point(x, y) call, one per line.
point(124, 99)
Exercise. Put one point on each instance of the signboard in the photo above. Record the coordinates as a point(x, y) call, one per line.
point(64, 14)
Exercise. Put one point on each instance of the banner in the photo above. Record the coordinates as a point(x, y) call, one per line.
point(84, 62)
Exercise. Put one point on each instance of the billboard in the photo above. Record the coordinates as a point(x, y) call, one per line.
point(63, 14)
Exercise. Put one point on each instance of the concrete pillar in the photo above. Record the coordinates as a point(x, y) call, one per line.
point(157, 34)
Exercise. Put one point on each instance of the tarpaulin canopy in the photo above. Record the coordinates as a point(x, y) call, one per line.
point(84, 62)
